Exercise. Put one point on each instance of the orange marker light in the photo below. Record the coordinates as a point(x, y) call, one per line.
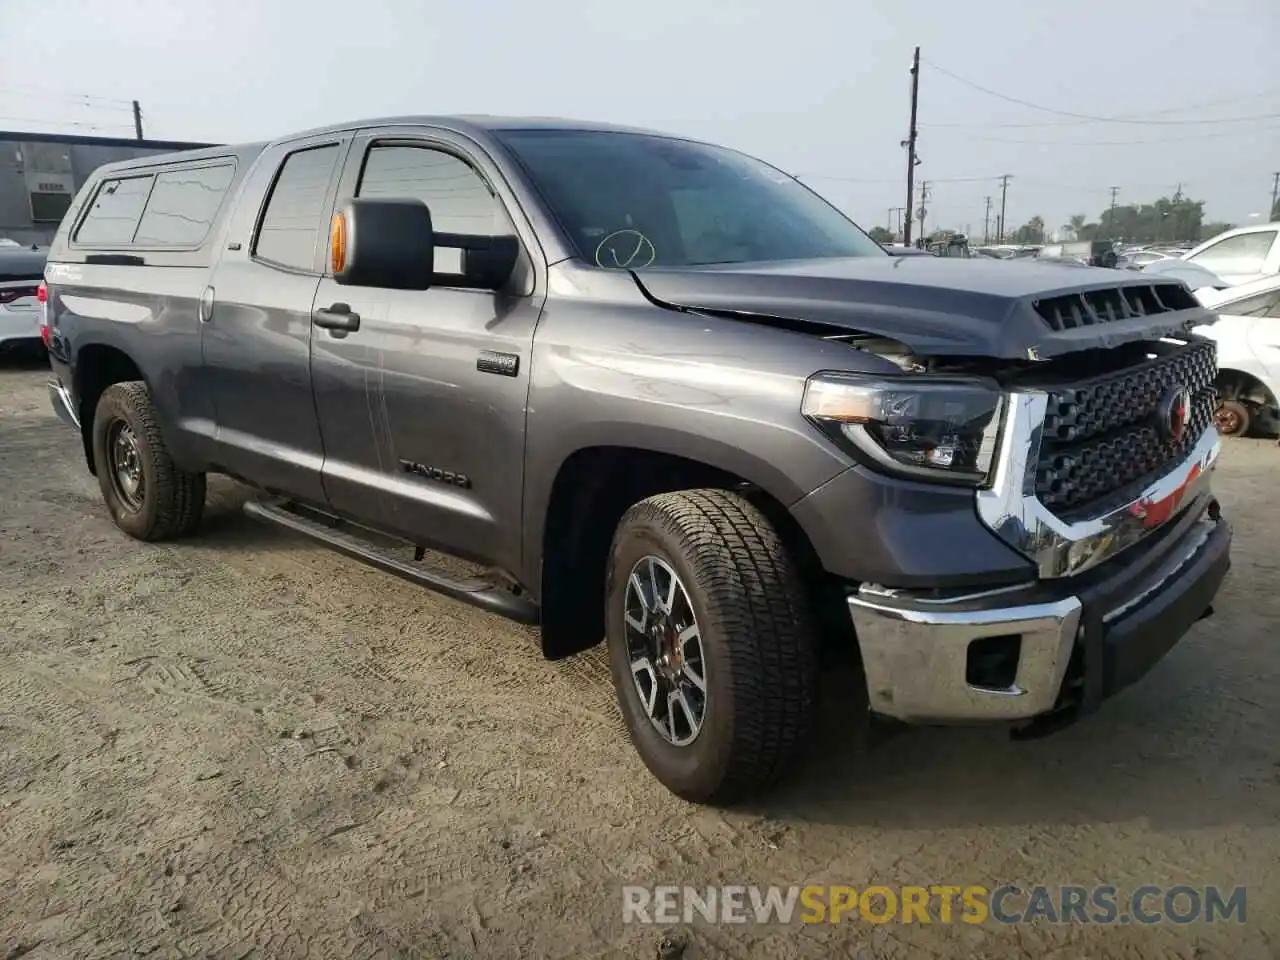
point(338, 243)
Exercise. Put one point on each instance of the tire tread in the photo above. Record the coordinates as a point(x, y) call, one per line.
point(179, 495)
point(760, 608)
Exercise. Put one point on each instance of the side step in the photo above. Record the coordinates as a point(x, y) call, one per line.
point(475, 591)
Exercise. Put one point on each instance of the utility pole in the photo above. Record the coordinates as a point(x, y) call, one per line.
point(911, 148)
point(1275, 192)
point(924, 209)
point(1004, 190)
point(986, 223)
point(137, 119)
point(1111, 220)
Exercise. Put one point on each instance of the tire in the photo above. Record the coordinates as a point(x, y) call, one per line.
point(756, 644)
point(1232, 418)
point(168, 503)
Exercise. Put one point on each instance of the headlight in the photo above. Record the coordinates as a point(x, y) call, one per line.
point(932, 428)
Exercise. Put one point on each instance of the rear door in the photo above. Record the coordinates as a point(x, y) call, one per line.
point(257, 313)
point(422, 410)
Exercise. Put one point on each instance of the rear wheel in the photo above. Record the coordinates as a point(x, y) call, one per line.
point(711, 644)
point(148, 496)
point(1232, 418)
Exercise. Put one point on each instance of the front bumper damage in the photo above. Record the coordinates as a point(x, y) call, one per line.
point(1113, 596)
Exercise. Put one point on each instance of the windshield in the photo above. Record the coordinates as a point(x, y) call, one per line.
point(631, 201)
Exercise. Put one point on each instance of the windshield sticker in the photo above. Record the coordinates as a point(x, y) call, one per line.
point(626, 249)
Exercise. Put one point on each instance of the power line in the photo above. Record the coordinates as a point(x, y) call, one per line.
point(1115, 143)
point(821, 176)
point(84, 99)
point(1077, 116)
point(66, 123)
point(1127, 118)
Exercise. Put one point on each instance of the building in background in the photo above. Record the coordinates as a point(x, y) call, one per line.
point(41, 172)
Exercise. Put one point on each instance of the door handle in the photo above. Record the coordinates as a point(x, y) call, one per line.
point(337, 318)
point(206, 305)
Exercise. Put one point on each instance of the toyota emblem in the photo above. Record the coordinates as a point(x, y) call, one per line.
point(1173, 413)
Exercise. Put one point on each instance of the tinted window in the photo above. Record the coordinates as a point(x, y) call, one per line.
point(459, 199)
point(115, 212)
point(292, 221)
point(632, 200)
point(1240, 254)
point(183, 205)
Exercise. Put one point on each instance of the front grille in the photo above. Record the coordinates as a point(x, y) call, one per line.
point(1090, 307)
point(1101, 439)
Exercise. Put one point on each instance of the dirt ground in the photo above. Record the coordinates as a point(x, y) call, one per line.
point(244, 745)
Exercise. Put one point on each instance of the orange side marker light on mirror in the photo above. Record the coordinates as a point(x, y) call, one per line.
point(338, 243)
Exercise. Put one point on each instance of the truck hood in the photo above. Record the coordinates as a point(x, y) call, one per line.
point(939, 306)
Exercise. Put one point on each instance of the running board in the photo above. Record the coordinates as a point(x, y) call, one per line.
point(475, 591)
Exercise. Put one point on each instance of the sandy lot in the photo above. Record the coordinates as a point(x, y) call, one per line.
point(245, 745)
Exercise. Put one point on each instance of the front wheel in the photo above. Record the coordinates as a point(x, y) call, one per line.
point(148, 496)
point(1231, 418)
point(711, 644)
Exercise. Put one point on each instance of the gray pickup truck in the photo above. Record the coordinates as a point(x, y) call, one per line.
point(655, 392)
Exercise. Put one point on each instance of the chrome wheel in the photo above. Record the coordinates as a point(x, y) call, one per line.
point(664, 646)
point(126, 465)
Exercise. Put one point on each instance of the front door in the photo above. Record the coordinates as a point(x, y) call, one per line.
point(422, 408)
point(257, 310)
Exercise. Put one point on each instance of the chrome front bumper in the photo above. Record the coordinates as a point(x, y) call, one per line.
point(916, 646)
point(60, 398)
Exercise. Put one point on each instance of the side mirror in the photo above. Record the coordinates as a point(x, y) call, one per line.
point(382, 243)
point(390, 243)
point(486, 262)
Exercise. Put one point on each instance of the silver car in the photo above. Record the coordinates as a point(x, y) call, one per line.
point(21, 270)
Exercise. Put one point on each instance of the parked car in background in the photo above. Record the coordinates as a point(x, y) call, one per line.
point(1240, 255)
point(1093, 253)
point(902, 250)
point(1137, 259)
point(1248, 337)
point(21, 270)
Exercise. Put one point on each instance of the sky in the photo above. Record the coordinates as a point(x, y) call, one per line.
point(819, 88)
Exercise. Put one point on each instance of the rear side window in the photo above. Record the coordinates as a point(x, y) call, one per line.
point(183, 206)
point(116, 210)
point(291, 222)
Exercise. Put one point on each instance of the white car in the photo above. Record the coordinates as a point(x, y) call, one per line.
point(1240, 255)
point(21, 271)
point(1248, 337)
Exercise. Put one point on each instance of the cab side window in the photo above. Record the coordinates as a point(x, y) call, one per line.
point(459, 199)
point(291, 223)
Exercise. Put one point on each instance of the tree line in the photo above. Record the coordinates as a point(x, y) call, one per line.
point(1176, 219)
